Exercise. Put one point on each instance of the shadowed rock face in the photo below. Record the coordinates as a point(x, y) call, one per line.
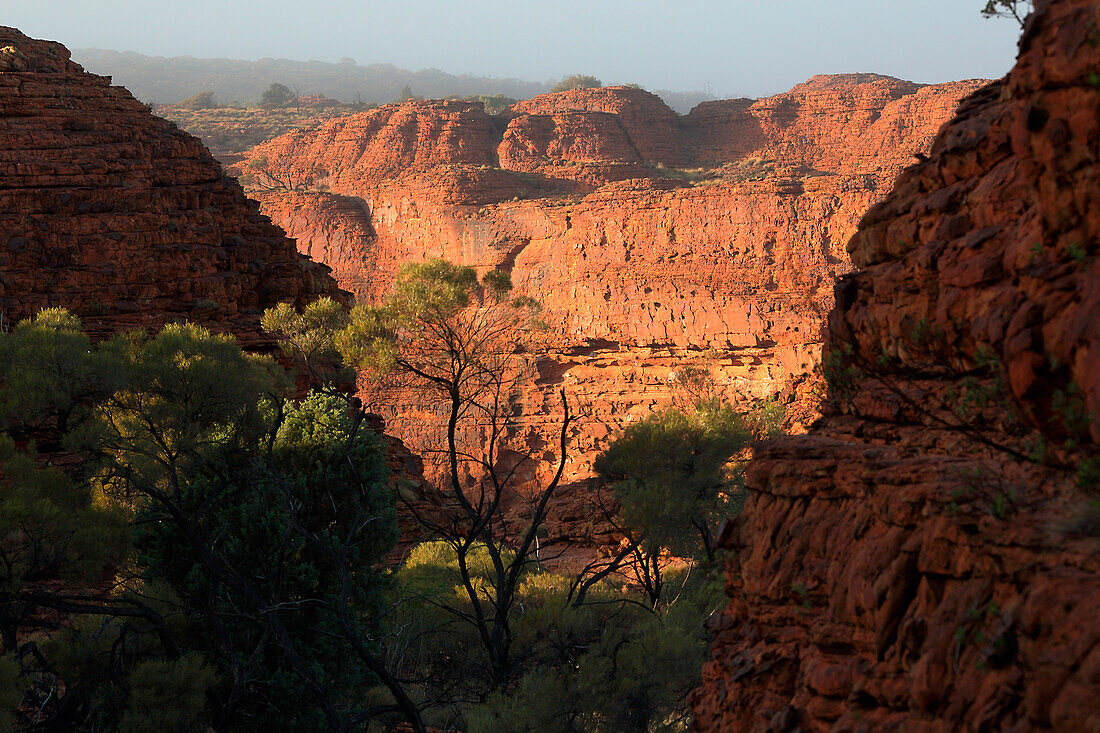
point(582, 196)
point(916, 562)
point(115, 214)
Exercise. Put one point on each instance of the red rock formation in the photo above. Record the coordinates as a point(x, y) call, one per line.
point(851, 123)
point(116, 215)
point(615, 124)
point(640, 274)
point(918, 561)
point(352, 154)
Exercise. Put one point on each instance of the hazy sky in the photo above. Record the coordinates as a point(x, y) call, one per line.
point(729, 47)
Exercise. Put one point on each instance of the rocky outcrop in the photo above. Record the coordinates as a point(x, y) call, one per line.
point(615, 124)
point(643, 264)
point(120, 217)
point(927, 558)
point(851, 123)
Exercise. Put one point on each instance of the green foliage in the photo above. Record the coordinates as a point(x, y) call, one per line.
point(50, 528)
point(406, 94)
point(842, 376)
point(191, 395)
point(673, 477)
point(576, 81)
point(1088, 475)
point(1076, 251)
point(494, 104)
point(50, 525)
point(436, 310)
point(1016, 9)
point(427, 599)
point(258, 528)
point(277, 95)
point(497, 282)
point(766, 418)
point(158, 693)
point(167, 696)
point(370, 339)
point(12, 689)
point(325, 482)
point(608, 665)
point(1069, 406)
point(308, 337)
point(50, 372)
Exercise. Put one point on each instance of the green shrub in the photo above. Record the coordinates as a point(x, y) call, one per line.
point(576, 81)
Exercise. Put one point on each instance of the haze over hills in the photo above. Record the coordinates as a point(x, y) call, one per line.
point(163, 80)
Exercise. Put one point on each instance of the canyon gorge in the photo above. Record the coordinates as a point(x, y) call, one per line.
point(911, 270)
point(654, 242)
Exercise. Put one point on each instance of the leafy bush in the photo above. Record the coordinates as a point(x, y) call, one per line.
point(277, 95)
point(673, 477)
point(610, 664)
point(202, 100)
point(247, 584)
point(576, 81)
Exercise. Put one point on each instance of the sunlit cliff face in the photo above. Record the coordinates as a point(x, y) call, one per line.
point(653, 241)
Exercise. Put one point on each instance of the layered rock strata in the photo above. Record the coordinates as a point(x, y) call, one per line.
point(587, 199)
point(928, 557)
point(122, 218)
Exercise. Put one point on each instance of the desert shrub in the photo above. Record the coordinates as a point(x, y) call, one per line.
point(277, 95)
point(202, 100)
point(494, 104)
point(610, 664)
point(167, 696)
point(577, 81)
point(673, 476)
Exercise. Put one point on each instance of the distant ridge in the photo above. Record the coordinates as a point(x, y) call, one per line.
point(165, 80)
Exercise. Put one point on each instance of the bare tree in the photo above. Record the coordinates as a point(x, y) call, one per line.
point(461, 341)
point(267, 176)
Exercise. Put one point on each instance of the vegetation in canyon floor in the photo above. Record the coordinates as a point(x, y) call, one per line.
point(188, 541)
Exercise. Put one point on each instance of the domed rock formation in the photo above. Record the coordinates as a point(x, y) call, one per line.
point(928, 557)
point(125, 220)
point(848, 123)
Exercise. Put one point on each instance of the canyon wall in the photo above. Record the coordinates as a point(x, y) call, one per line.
point(653, 241)
point(928, 556)
point(120, 217)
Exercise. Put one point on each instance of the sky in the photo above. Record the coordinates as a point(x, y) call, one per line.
point(729, 48)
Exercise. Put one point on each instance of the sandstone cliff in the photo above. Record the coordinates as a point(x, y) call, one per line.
point(120, 217)
point(654, 241)
point(928, 557)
